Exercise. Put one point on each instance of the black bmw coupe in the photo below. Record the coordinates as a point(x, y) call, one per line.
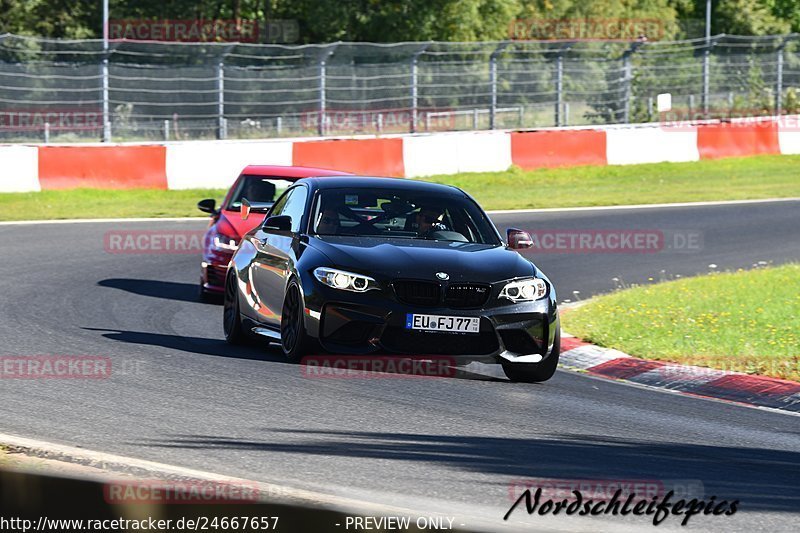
point(362, 265)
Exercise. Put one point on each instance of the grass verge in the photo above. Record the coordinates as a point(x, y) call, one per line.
point(744, 321)
point(742, 178)
point(97, 203)
point(723, 179)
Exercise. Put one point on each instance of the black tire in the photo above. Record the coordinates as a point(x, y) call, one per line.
point(535, 373)
point(294, 341)
point(231, 316)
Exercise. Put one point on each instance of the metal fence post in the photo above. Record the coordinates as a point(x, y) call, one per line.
point(559, 88)
point(414, 94)
point(323, 60)
point(413, 123)
point(779, 80)
point(710, 42)
point(560, 84)
point(220, 100)
point(106, 114)
point(321, 107)
point(628, 79)
point(493, 84)
point(628, 75)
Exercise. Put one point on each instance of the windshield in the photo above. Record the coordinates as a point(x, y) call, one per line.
point(255, 189)
point(401, 214)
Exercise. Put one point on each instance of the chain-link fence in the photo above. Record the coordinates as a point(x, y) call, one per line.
point(59, 90)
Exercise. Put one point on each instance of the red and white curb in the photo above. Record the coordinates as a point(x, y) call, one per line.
point(724, 385)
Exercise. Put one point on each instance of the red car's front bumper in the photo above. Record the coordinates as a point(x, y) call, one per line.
point(213, 268)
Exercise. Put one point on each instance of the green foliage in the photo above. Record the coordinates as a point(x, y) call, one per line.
point(399, 20)
point(791, 101)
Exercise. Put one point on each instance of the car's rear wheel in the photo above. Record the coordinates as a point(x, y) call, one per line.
point(294, 341)
point(535, 372)
point(231, 316)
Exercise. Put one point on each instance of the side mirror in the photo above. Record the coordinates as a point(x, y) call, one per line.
point(209, 205)
point(253, 207)
point(518, 239)
point(279, 223)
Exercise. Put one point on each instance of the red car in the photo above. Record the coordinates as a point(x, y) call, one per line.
point(257, 185)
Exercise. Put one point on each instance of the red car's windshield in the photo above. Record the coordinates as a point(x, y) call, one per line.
point(255, 189)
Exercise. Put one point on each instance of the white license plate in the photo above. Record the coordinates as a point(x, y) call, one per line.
point(451, 324)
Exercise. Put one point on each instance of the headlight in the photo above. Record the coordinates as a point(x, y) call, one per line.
point(346, 281)
point(524, 290)
point(223, 242)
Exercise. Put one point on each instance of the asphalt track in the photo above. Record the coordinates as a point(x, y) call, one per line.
point(180, 395)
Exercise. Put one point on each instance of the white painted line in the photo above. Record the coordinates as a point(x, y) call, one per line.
point(491, 212)
point(349, 501)
point(640, 206)
point(139, 467)
point(100, 220)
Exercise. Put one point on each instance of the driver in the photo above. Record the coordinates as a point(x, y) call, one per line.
point(328, 223)
point(427, 220)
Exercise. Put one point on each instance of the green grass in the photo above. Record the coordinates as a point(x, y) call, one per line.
point(723, 179)
point(96, 203)
point(744, 321)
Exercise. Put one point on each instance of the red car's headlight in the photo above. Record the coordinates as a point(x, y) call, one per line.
point(224, 243)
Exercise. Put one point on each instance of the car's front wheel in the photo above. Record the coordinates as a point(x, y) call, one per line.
point(294, 340)
point(535, 372)
point(231, 316)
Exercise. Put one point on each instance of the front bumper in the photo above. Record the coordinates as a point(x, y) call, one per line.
point(372, 323)
point(213, 269)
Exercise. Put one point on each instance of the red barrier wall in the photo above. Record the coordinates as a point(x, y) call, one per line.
point(376, 157)
point(715, 141)
point(104, 167)
point(538, 149)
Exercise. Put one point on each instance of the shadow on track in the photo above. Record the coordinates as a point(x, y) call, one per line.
point(761, 478)
point(196, 345)
point(168, 290)
point(254, 349)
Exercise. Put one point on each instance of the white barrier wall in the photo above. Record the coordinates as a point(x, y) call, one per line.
point(789, 141)
point(216, 164)
point(449, 153)
point(627, 146)
point(19, 169)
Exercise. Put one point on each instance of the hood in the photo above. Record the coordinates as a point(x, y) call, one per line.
point(422, 259)
point(231, 223)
